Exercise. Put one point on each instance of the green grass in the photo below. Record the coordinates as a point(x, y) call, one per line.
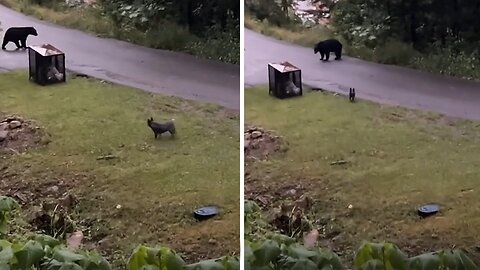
point(157, 182)
point(398, 159)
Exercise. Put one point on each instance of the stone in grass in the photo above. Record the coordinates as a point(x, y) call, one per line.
point(3, 135)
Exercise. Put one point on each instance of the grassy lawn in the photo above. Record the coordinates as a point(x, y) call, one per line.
point(398, 159)
point(157, 183)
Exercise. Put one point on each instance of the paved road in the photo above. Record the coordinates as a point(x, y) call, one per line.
point(124, 63)
point(376, 82)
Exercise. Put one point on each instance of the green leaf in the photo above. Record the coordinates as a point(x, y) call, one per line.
point(424, 262)
point(301, 252)
point(138, 258)
point(65, 255)
point(394, 258)
point(169, 259)
point(205, 265)
point(70, 266)
point(31, 254)
point(267, 252)
point(47, 240)
point(6, 253)
point(304, 264)
point(7, 204)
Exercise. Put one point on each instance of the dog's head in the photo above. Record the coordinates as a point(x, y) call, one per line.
point(149, 121)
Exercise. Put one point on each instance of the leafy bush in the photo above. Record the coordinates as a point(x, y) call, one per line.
point(44, 252)
point(394, 52)
point(7, 205)
point(273, 251)
point(443, 61)
point(282, 253)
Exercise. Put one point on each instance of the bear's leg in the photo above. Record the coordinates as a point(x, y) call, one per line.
point(327, 56)
point(321, 56)
point(23, 42)
point(5, 42)
point(17, 42)
point(338, 55)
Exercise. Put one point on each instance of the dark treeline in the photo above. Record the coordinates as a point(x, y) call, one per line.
point(435, 35)
point(210, 28)
point(198, 16)
point(173, 24)
point(453, 24)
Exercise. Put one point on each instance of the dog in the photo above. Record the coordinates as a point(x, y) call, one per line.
point(160, 128)
point(351, 95)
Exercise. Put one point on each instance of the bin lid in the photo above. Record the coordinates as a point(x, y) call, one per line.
point(284, 67)
point(46, 50)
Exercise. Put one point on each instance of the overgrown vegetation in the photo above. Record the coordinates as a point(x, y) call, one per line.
point(119, 185)
point(356, 172)
point(436, 36)
point(279, 252)
point(209, 29)
point(43, 252)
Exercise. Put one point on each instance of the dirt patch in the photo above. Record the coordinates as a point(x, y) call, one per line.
point(18, 135)
point(260, 143)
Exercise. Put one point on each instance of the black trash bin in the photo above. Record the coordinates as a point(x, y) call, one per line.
point(285, 80)
point(46, 64)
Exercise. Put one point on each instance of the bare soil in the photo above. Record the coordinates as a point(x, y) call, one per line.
point(17, 135)
point(261, 144)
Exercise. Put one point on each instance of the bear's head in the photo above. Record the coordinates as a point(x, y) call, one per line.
point(32, 31)
point(316, 49)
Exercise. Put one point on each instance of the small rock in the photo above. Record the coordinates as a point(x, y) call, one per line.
point(52, 189)
point(14, 124)
point(350, 206)
point(3, 135)
point(339, 162)
point(75, 240)
point(3, 126)
point(291, 192)
point(107, 157)
point(118, 206)
point(212, 241)
point(256, 134)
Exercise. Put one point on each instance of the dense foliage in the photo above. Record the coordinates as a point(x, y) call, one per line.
point(271, 10)
point(268, 250)
point(437, 36)
point(210, 28)
point(206, 28)
point(43, 252)
point(282, 253)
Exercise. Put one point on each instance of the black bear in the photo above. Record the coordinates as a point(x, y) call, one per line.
point(18, 35)
point(326, 47)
